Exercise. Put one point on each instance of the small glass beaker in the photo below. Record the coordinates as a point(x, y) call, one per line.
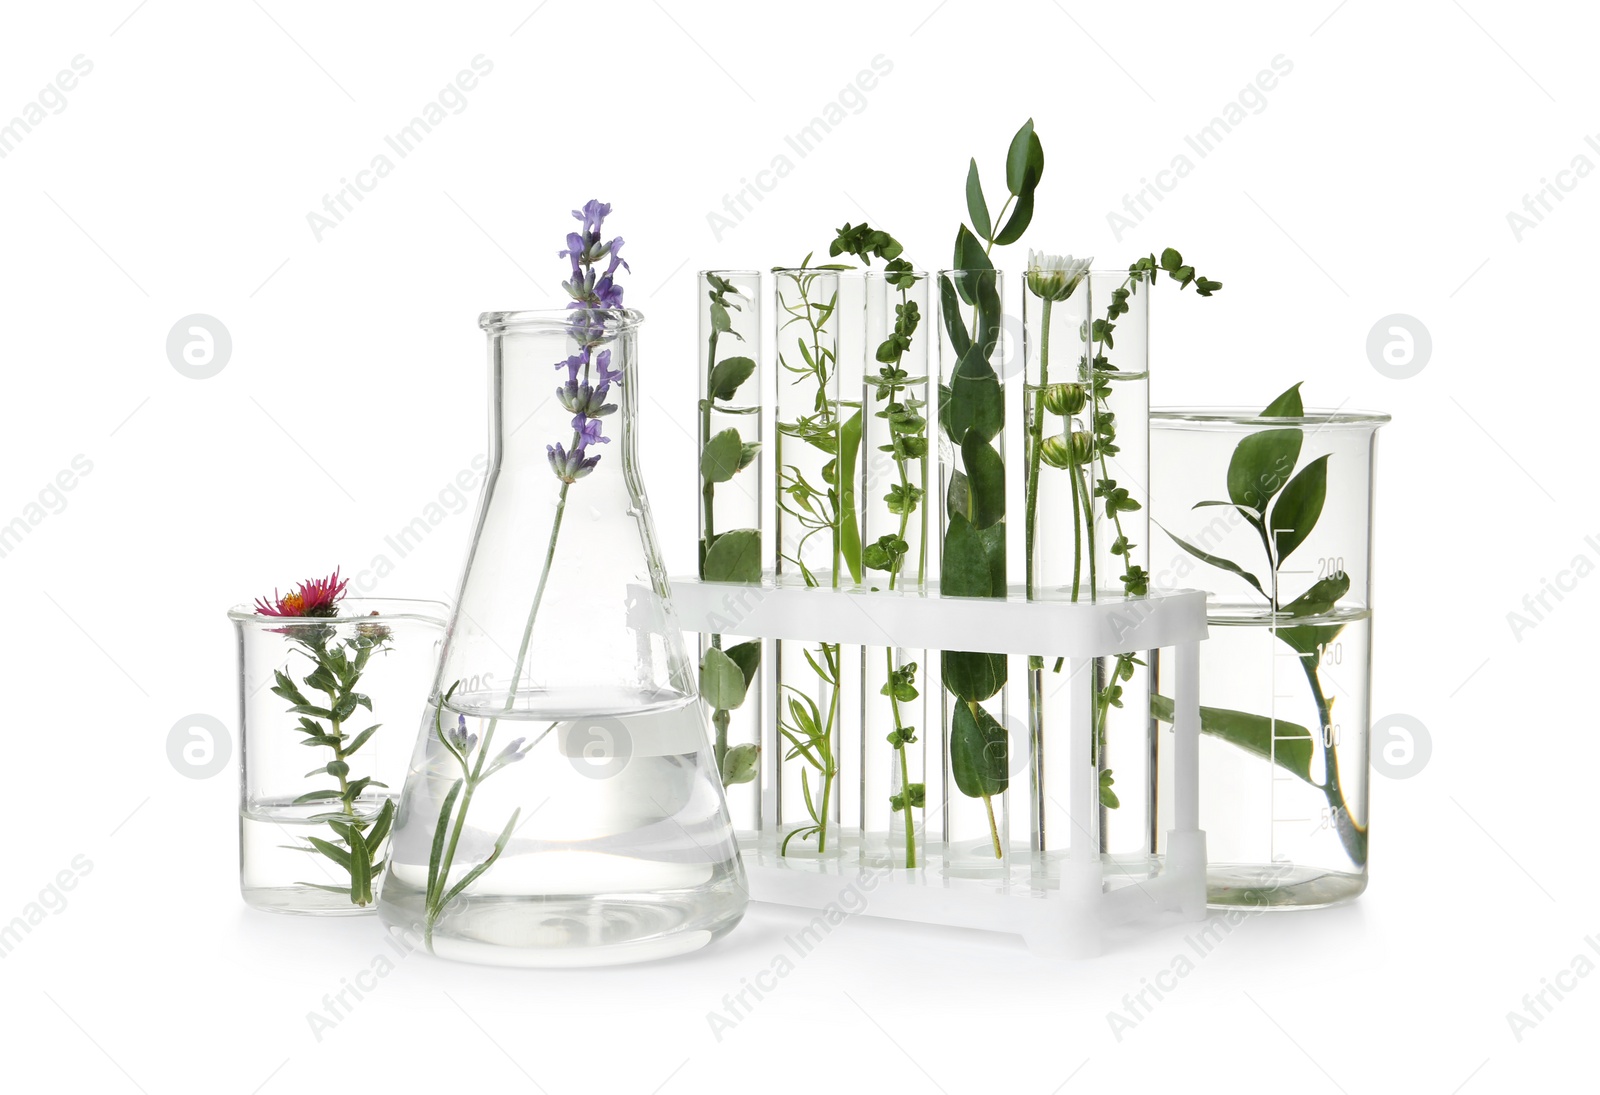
point(1272, 513)
point(340, 696)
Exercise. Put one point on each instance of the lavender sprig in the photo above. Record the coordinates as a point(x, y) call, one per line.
point(592, 290)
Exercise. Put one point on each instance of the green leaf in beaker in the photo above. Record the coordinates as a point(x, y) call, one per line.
point(1261, 465)
point(1321, 597)
point(1287, 405)
point(1253, 734)
point(1295, 513)
point(1215, 560)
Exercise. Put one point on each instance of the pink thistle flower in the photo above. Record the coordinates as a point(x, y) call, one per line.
point(312, 597)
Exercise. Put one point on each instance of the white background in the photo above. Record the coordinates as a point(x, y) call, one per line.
point(177, 180)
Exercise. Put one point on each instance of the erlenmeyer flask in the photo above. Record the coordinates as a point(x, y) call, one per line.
point(562, 806)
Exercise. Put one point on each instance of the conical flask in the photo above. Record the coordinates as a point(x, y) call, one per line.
point(562, 807)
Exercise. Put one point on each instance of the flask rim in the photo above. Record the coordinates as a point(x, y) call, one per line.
point(614, 320)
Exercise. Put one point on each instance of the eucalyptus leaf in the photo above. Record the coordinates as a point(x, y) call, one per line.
point(739, 764)
point(728, 374)
point(720, 460)
point(957, 497)
point(722, 683)
point(964, 565)
point(986, 480)
point(979, 752)
point(971, 675)
point(747, 656)
point(1017, 223)
point(1024, 160)
point(950, 308)
point(977, 208)
point(976, 402)
point(994, 545)
point(734, 556)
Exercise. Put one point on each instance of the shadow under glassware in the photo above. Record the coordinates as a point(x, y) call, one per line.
point(389, 648)
point(563, 806)
point(1273, 515)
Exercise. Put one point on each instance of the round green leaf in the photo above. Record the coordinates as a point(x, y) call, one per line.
point(721, 681)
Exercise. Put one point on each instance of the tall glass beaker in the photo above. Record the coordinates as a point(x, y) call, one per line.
point(1272, 513)
point(563, 805)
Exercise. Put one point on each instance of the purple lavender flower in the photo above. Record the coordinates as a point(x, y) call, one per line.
point(458, 739)
point(589, 376)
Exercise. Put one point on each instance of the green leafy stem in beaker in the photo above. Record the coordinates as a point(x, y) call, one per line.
point(1282, 502)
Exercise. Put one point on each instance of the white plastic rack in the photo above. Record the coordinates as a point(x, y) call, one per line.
point(1062, 906)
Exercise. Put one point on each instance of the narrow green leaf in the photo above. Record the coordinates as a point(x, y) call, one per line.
point(472, 875)
point(1253, 734)
point(1215, 560)
point(318, 796)
point(332, 851)
point(361, 738)
point(360, 870)
point(440, 831)
point(849, 528)
point(286, 687)
point(309, 709)
point(381, 825)
point(1019, 159)
point(977, 208)
point(1017, 223)
point(957, 498)
point(950, 308)
point(986, 480)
